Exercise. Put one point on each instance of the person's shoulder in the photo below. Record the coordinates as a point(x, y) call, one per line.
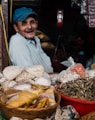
point(16, 38)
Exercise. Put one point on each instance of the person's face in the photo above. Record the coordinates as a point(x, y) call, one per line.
point(27, 28)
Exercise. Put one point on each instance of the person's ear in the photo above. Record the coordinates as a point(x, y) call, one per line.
point(15, 27)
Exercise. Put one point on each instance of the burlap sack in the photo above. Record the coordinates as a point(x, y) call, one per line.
point(89, 116)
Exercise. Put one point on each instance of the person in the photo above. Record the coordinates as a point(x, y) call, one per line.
point(24, 46)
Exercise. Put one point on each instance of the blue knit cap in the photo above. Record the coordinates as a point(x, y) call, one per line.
point(22, 13)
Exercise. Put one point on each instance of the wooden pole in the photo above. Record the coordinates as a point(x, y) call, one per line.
point(3, 50)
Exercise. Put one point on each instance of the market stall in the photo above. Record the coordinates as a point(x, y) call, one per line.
point(31, 93)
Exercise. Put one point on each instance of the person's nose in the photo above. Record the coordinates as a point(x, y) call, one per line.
point(29, 25)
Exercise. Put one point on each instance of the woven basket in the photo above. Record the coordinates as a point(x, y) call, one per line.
point(30, 113)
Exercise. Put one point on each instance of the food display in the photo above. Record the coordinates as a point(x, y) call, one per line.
point(82, 88)
point(80, 85)
point(79, 92)
point(39, 101)
point(38, 98)
point(27, 93)
point(22, 78)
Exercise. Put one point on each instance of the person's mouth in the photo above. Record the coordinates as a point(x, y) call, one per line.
point(29, 31)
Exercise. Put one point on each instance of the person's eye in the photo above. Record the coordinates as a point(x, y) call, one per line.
point(23, 23)
point(33, 22)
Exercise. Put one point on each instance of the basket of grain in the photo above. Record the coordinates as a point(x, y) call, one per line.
point(31, 109)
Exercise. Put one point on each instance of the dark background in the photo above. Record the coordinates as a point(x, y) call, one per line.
point(75, 34)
